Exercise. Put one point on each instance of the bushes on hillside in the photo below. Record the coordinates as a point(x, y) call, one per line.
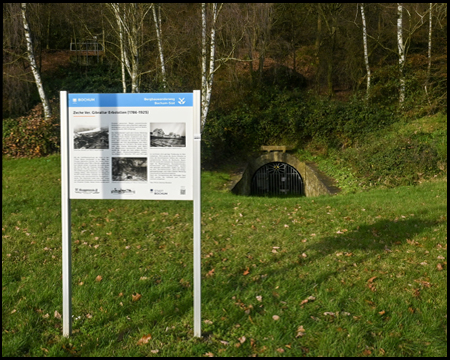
point(291, 118)
point(394, 161)
point(30, 136)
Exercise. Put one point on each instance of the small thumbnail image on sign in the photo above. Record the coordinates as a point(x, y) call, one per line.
point(90, 137)
point(167, 134)
point(129, 169)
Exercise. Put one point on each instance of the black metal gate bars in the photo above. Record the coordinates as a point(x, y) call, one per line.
point(277, 178)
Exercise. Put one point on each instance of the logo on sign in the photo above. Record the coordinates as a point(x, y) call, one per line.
point(181, 101)
point(122, 191)
point(86, 191)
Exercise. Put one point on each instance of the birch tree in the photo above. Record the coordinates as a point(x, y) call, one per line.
point(32, 60)
point(208, 70)
point(122, 50)
point(129, 18)
point(429, 51)
point(366, 53)
point(157, 21)
point(401, 53)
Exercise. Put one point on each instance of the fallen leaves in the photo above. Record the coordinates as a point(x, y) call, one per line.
point(371, 285)
point(98, 278)
point(300, 331)
point(310, 298)
point(144, 340)
point(242, 339)
point(276, 317)
point(246, 272)
point(136, 297)
point(439, 267)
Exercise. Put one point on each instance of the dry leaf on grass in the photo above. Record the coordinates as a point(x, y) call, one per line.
point(144, 340)
point(276, 317)
point(310, 298)
point(136, 297)
point(57, 315)
point(300, 331)
point(98, 278)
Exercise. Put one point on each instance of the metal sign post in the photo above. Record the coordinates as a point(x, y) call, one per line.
point(197, 217)
point(113, 147)
point(65, 218)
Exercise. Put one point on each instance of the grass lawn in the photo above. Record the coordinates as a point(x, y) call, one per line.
point(352, 275)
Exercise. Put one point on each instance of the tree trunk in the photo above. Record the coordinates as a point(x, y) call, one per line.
point(366, 53)
point(204, 62)
point(330, 64)
point(429, 53)
point(158, 36)
point(208, 73)
point(34, 68)
point(401, 53)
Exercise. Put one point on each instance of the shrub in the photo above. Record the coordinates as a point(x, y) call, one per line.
point(395, 161)
point(31, 136)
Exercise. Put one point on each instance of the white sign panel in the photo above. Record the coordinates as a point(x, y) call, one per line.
point(131, 146)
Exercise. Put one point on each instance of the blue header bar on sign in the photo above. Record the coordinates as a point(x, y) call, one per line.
point(127, 100)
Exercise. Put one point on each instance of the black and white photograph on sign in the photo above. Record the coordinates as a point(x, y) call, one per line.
point(167, 135)
point(129, 169)
point(90, 137)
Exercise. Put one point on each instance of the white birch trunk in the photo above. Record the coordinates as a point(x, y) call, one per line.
point(134, 50)
point(429, 52)
point(429, 38)
point(366, 53)
point(122, 48)
point(161, 53)
point(122, 60)
point(204, 62)
point(401, 52)
point(208, 74)
point(34, 68)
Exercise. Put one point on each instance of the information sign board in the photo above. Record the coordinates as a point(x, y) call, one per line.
point(131, 146)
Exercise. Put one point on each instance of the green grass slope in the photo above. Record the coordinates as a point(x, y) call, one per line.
point(362, 274)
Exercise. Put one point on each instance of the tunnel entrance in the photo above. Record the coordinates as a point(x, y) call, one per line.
point(277, 178)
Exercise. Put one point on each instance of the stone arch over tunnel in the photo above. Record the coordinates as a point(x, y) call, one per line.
point(315, 183)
